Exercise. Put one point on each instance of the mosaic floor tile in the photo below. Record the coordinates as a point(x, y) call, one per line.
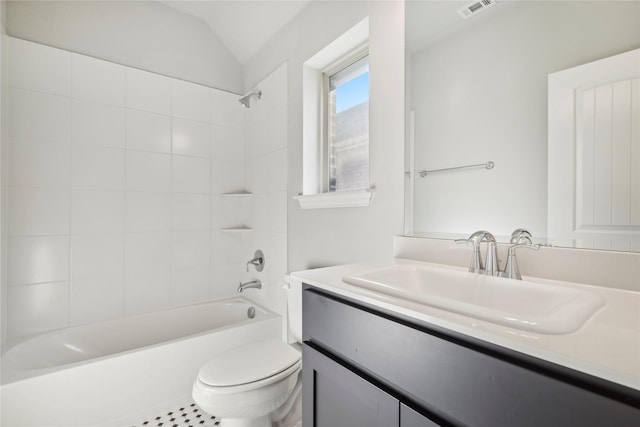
point(185, 416)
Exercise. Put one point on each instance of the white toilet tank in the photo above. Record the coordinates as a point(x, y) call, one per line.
point(294, 310)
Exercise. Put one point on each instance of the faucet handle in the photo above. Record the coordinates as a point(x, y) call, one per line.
point(521, 235)
point(257, 261)
point(511, 270)
point(512, 248)
point(481, 236)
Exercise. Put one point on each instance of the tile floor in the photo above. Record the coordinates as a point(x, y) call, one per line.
point(185, 416)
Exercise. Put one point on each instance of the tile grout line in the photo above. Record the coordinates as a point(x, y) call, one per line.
point(71, 144)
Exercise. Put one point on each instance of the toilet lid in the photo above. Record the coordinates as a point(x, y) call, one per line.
point(248, 363)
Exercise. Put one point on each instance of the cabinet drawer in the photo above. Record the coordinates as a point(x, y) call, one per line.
point(333, 396)
point(410, 418)
point(460, 384)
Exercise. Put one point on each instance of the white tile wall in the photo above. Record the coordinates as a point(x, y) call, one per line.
point(193, 283)
point(147, 212)
point(98, 81)
point(97, 124)
point(95, 299)
point(227, 176)
point(36, 164)
point(191, 101)
point(148, 92)
point(190, 212)
point(38, 307)
point(190, 249)
point(148, 171)
point(231, 212)
point(97, 168)
point(147, 292)
point(191, 137)
point(39, 68)
point(27, 206)
point(228, 247)
point(147, 252)
point(115, 183)
point(148, 131)
point(97, 255)
point(97, 212)
point(191, 175)
point(38, 259)
point(115, 175)
point(225, 279)
point(227, 143)
point(266, 174)
point(222, 111)
point(39, 116)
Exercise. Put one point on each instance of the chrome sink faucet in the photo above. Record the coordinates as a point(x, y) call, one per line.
point(520, 238)
point(490, 266)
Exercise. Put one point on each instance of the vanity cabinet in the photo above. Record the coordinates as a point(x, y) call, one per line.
point(365, 367)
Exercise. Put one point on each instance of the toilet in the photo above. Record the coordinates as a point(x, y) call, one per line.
point(256, 383)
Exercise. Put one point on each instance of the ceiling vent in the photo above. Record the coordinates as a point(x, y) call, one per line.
point(476, 7)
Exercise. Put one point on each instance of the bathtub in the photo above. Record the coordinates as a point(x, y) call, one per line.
point(114, 372)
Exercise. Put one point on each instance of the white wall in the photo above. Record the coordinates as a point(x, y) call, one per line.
point(333, 236)
point(142, 34)
point(481, 94)
point(112, 175)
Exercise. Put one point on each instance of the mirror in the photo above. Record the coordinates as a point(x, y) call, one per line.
point(477, 92)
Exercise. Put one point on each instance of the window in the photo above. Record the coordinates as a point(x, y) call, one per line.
point(335, 124)
point(346, 124)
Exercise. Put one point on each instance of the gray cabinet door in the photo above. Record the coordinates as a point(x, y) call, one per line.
point(411, 418)
point(334, 396)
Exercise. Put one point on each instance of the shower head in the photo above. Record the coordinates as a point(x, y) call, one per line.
point(246, 100)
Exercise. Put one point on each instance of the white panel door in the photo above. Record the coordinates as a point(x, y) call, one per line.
point(594, 152)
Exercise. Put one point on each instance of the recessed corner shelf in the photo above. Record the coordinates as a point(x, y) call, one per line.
point(236, 229)
point(237, 194)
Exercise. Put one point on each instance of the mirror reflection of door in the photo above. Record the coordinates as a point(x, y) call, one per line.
point(594, 126)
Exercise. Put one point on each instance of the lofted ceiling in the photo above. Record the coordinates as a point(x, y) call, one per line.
point(244, 26)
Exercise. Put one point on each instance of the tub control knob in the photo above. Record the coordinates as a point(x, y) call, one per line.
point(257, 261)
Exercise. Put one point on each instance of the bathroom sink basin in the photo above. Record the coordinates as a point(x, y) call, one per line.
point(530, 306)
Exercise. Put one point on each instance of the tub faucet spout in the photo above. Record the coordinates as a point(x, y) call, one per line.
point(257, 284)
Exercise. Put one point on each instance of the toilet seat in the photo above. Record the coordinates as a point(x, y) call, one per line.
point(250, 366)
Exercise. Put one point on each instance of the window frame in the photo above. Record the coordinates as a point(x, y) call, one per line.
point(344, 62)
point(311, 195)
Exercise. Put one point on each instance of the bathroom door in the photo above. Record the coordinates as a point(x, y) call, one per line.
point(594, 153)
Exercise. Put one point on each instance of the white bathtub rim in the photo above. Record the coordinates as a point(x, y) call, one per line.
point(127, 384)
point(10, 375)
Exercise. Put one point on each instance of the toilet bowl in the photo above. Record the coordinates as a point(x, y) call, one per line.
point(247, 385)
point(244, 385)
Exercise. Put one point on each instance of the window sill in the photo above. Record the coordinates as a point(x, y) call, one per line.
point(338, 199)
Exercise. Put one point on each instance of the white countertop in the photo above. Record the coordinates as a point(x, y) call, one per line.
point(607, 346)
